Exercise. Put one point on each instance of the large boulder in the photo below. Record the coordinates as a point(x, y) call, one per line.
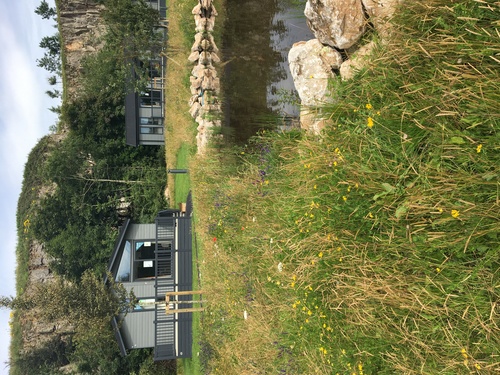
point(380, 13)
point(312, 65)
point(338, 23)
point(357, 61)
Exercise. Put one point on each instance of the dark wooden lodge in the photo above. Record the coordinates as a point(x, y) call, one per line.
point(145, 111)
point(151, 260)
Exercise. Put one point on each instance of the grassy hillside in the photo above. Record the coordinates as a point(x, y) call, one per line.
point(374, 247)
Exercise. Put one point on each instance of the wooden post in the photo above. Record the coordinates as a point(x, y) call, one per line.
point(177, 302)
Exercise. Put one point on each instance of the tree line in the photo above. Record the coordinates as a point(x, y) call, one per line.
point(91, 172)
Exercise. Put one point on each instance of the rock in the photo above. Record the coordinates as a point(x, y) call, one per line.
point(197, 10)
point(211, 83)
point(310, 72)
point(380, 13)
point(215, 57)
point(204, 24)
point(198, 38)
point(205, 58)
point(198, 70)
point(358, 60)
point(194, 56)
point(206, 3)
point(211, 11)
point(312, 121)
point(194, 110)
point(194, 99)
point(210, 38)
point(195, 82)
point(338, 23)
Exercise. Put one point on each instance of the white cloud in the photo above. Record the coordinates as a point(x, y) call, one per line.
point(24, 118)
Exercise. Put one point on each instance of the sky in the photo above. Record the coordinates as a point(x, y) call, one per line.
point(24, 119)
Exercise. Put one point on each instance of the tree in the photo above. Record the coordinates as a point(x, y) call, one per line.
point(52, 44)
point(45, 11)
point(52, 80)
point(50, 63)
point(88, 305)
point(77, 302)
point(53, 93)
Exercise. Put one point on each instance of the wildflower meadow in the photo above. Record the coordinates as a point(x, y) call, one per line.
point(373, 247)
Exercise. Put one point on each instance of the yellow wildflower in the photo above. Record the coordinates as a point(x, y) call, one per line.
point(455, 213)
point(369, 122)
point(368, 106)
point(320, 255)
point(479, 148)
point(476, 365)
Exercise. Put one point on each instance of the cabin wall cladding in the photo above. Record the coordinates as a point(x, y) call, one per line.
point(205, 84)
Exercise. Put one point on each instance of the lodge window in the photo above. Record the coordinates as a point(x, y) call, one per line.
point(145, 304)
point(123, 273)
point(144, 257)
point(138, 260)
point(150, 98)
point(151, 130)
point(151, 120)
point(144, 263)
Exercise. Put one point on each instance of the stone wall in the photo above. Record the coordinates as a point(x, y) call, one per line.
point(205, 84)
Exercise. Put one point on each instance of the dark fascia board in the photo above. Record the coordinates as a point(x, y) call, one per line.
point(118, 245)
point(119, 337)
point(132, 119)
point(131, 108)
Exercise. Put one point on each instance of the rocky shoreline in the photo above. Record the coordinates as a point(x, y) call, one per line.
point(339, 26)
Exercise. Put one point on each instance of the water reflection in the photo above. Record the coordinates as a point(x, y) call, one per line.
point(256, 39)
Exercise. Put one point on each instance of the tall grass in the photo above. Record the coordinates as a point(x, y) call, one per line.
point(374, 247)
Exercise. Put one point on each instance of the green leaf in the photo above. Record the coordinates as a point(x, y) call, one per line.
point(457, 140)
point(401, 210)
point(489, 176)
point(379, 195)
point(388, 187)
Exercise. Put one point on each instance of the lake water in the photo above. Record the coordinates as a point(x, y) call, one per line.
point(257, 87)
